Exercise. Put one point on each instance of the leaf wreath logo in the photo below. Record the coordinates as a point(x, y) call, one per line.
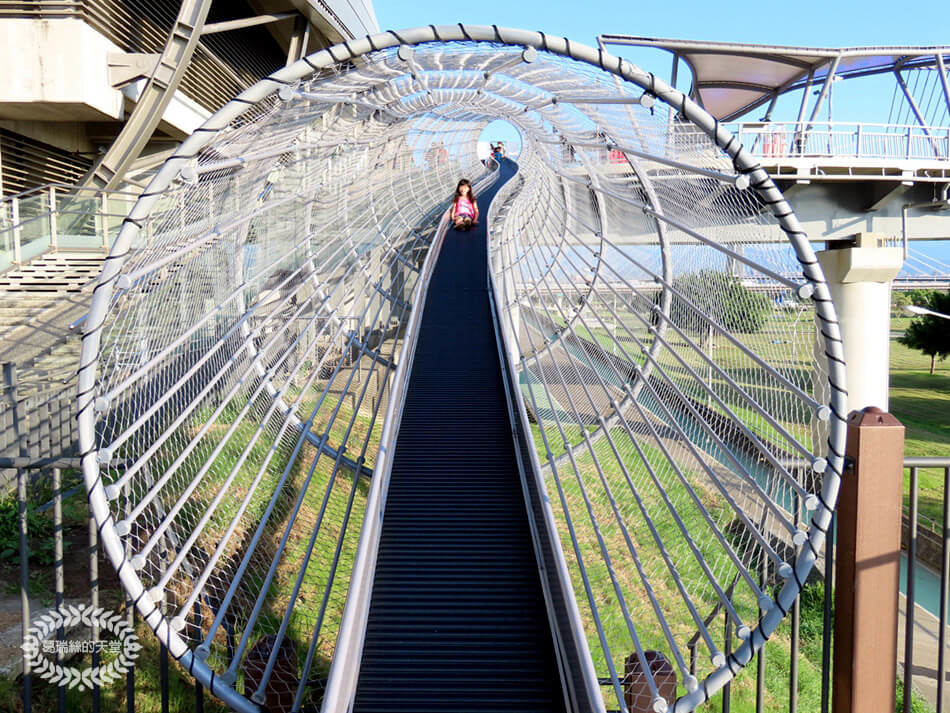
point(71, 677)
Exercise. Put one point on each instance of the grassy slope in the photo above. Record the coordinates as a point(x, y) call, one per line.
point(743, 689)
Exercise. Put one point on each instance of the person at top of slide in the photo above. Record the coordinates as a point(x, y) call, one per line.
point(464, 206)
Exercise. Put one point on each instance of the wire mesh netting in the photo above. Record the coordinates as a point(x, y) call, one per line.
point(239, 359)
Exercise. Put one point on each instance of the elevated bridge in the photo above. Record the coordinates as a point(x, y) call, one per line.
point(888, 175)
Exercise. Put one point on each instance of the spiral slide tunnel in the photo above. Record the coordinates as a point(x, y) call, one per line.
point(343, 458)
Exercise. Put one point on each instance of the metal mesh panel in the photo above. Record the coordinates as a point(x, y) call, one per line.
point(239, 356)
point(672, 399)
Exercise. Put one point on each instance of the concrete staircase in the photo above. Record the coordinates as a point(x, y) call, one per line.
point(38, 303)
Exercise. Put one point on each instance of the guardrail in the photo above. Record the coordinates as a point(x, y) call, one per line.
point(937, 538)
point(59, 217)
point(776, 140)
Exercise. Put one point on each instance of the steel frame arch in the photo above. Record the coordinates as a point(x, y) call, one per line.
point(351, 50)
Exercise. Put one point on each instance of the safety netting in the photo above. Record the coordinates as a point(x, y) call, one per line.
point(683, 392)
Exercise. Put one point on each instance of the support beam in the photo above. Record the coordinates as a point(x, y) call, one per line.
point(247, 22)
point(859, 275)
point(674, 75)
point(942, 69)
point(881, 193)
point(799, 143)
point(771, 108)
point(825, 88)
point(299, 39)
point(916, 109)
point(109, 171)
point(128, 67)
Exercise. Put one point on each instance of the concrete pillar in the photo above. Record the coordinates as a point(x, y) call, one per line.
point(859, 275)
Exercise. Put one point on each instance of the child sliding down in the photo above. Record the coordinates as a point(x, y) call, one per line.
point(464, 207)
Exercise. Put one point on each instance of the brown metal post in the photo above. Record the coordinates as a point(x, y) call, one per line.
point(637, 692)
point(868, 565)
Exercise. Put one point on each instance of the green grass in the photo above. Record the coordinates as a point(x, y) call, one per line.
point(612, 620)
point(326, 492)
point(921, 402)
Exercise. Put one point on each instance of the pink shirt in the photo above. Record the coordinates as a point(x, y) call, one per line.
point(463, 206)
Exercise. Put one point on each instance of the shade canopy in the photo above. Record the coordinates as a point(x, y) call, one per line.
point(732, 78)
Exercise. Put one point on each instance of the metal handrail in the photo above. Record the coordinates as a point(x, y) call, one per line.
point(814, 124)
point(927, 462)
point(858, 140)
point(66, 187)
point(914, 463)
point(60, 200)
point(518, 414)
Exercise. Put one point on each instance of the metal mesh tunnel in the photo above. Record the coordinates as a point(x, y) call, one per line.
point(248, 351)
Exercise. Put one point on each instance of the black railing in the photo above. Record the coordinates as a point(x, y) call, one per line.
point(49, 481)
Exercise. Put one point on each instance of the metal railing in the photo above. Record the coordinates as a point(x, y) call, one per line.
point(59, 217)
point(928, 549)
point(43, 483)
point(777, 140)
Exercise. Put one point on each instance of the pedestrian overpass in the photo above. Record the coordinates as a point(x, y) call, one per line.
point(342, 457)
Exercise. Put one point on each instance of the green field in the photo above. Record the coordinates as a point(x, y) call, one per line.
point(921, 402)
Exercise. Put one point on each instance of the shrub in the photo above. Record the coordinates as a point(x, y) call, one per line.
point(39, 533)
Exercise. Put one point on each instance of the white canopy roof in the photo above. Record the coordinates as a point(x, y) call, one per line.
point(730, 78)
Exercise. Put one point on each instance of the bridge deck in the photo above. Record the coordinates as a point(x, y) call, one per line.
point(457, 620)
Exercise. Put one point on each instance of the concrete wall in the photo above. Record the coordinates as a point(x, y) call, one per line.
point(59, 90)
point(56, 70)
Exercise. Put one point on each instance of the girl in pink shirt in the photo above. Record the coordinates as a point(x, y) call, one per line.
point(464, 206)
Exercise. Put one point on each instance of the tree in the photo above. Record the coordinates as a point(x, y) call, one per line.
point(930, 334)
point(721, 298)
point(898, 301)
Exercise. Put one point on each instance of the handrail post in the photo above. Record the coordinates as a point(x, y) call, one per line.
point(910, 600)
point(944, 594)
point(868, 571)
point(857, 148)
point(21, 432)
point(17, 252)
point(53, 237)
point(104, 211)
point(910, 132)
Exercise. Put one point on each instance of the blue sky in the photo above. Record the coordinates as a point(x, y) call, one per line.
point(807, 22)
point(822, 23)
